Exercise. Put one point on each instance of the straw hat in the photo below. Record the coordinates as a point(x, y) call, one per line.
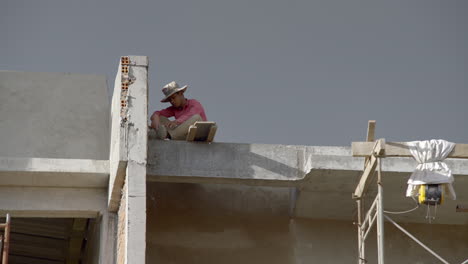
point(170, 89)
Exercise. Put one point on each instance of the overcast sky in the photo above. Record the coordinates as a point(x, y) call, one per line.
point(267, 71)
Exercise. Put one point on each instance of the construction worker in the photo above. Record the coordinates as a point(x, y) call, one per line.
point(185, 111)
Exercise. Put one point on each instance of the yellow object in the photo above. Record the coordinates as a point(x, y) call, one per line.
point(431, 194)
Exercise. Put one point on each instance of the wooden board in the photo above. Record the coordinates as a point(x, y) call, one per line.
point(371, 131)
point(202, 131)
point(462, 208)
point(378, 149)
point(370, 135)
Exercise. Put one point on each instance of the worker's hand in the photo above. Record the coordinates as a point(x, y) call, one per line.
point(171, 124)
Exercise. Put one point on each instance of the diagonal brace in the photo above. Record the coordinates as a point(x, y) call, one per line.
point(379, 148)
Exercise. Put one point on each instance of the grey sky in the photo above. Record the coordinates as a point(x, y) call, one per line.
point(268, 71)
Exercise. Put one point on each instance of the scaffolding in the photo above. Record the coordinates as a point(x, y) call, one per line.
point(376, 214)
point(5, 239)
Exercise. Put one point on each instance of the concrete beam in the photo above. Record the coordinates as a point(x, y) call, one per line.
point(252, 164)
point(260, 164)
point(400, 149)
point(65, 203)
point(37, 172)
point(52, 202)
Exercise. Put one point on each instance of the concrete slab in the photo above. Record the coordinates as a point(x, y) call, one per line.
point(54, 115)
point(38, 172)
point(252, 164)
point(259, 164)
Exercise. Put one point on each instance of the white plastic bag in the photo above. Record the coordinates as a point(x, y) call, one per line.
point(431, 168)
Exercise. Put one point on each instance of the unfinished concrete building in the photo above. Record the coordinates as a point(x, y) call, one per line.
point(85, 181)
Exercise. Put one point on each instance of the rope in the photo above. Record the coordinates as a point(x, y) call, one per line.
point(404, 212)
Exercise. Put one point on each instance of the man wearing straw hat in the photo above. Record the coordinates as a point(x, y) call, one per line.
point(185, 111)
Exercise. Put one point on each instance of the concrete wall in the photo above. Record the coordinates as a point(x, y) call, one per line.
point(54, 115)
point(210, 223)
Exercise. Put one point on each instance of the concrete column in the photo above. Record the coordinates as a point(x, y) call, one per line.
point(132, 117)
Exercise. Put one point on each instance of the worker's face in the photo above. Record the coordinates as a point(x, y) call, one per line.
point(176, 99)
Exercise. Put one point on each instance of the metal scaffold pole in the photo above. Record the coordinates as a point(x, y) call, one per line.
point(374, 151)
point(6, 239)
point(380, 218)
point(361, 248)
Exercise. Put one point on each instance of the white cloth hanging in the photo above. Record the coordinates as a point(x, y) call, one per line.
point(431, 168)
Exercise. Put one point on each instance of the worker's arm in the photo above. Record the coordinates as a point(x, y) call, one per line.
point(193, 109)
point(155, 120)
point(168, 112)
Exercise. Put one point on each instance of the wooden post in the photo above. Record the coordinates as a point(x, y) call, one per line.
point(370, 136)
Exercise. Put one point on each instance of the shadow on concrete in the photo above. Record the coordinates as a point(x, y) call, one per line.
point(251, 164)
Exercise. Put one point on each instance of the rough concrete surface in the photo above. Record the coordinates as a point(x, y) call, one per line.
point(128, 157)
point(212, 223)
point(118, 145)
point(37, 172)
point(54, 115)
point(52, 202)
point(137, 136)
point(122, 228)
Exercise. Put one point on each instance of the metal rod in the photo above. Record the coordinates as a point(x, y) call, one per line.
point(370, 226)
point(6, 241)
point(380, 219)
point(369, 212)
point(416, 240)
point(360, 239)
